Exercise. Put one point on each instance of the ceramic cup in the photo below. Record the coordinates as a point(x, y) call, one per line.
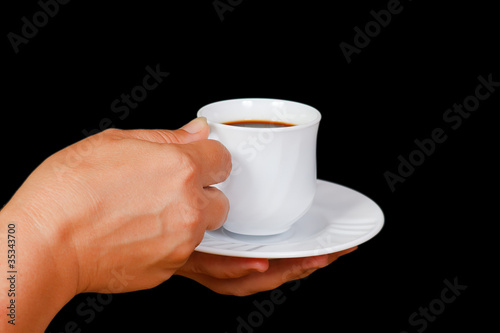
point(273, 179)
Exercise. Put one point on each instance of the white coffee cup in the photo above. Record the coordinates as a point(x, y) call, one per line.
point(273, 179)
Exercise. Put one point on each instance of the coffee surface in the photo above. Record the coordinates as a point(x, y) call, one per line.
point(258, 123)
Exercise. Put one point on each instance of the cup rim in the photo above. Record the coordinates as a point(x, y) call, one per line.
point(296, 127)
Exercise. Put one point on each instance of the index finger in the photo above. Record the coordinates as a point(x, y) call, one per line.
point(212, 160)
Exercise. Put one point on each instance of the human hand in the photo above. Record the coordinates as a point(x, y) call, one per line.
point(246, 276)
point(130, 207)
point(129, 202)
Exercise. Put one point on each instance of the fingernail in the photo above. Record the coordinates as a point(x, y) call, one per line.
point(196, 125)
point(260, 266)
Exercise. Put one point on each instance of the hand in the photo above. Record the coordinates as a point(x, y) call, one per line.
point(246, 276)
point(123, 211)
point(133, 204)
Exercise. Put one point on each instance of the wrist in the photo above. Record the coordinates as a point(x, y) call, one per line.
point(43, 277)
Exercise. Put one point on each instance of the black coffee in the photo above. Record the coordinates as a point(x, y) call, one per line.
point(258, 123)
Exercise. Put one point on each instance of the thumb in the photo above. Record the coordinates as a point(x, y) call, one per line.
point(197, 129)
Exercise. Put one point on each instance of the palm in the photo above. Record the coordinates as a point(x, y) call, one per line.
point(246, 276)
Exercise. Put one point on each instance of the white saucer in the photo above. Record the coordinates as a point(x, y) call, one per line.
point(339, 218)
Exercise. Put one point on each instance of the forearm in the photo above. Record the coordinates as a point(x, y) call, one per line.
point(33, 286)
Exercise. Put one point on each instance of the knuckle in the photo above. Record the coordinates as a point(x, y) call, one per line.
point(112, 133)
point(181, 253)
point(185, 165)
point(192, 217)
point(193, 221)
point(165, 136)
point(225, 157)
point(176, 249)
point(219, 207)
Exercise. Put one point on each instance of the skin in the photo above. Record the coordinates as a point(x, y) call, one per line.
point(122, 211)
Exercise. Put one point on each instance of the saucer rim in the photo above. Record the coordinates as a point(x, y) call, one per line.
point(378, 225)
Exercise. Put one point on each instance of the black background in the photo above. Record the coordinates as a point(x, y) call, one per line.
point(439, 222)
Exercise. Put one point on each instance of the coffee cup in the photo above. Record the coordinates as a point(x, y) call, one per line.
point(273, 149)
